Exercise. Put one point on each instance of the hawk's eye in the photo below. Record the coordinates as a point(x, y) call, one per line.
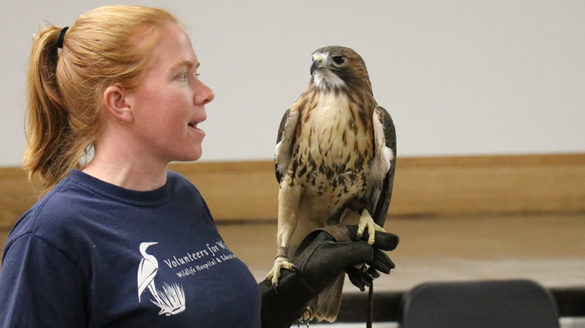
point(338, 60)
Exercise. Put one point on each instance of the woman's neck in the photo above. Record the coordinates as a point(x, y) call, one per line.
point(118, 163)
point(129, 175)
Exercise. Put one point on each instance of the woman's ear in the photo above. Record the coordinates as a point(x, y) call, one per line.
point(114, 99)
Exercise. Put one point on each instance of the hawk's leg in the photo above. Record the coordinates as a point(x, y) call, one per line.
point(288, 206)
point(367, 222)
point(281, 262)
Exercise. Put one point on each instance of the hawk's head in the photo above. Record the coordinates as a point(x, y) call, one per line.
point(337, 68)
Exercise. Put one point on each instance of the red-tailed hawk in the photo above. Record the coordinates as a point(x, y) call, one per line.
point(334, 160)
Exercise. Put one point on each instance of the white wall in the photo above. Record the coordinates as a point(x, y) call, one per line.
point(459, 77)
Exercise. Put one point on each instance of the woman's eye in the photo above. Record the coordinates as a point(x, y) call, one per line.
point(339, 60)
point(187, 76)
point(184, 76)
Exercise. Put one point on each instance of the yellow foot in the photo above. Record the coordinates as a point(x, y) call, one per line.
point(366, 221)
point(280, 263)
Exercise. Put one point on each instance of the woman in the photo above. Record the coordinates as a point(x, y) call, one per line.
point(121, 241)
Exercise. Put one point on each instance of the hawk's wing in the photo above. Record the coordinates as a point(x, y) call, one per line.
point(284, 142)
point(384, 188)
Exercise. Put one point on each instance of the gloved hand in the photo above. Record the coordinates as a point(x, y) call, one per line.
point(318, 261)
point(363, 275)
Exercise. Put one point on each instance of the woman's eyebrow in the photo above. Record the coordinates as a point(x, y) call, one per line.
point(186, 63)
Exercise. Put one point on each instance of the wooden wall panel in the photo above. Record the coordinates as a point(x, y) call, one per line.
point(490, 184)
point(235, 190)
point(424, 186)
point(17, 194)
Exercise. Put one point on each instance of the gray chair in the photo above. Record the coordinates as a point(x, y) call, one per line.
point(501, 304)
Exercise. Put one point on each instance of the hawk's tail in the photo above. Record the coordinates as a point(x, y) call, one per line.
point(326, 305)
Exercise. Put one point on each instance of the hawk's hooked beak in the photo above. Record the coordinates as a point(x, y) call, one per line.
point(316, 63)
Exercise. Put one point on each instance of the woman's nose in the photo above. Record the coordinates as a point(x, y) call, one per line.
point(204, 94)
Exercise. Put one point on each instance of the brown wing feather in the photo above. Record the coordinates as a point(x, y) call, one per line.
point(284, 141)
point(381, 208)
point(279, 139)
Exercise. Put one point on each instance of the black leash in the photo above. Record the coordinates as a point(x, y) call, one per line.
point(370, 306)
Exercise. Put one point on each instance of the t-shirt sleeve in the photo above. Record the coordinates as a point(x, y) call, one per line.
point(40, 286)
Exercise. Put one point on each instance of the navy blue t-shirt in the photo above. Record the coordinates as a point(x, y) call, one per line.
point(91, 254)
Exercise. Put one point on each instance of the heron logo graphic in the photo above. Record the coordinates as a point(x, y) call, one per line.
point(170, 298)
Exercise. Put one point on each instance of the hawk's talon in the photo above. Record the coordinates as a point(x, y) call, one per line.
point(366, 221)
point(307, 316)
point(280, 263)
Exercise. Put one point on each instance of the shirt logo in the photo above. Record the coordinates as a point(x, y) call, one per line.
point(169, 298)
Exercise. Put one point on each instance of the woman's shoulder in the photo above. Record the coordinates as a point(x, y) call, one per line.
point(55, 210)
point(184, 191)
point(180, 182)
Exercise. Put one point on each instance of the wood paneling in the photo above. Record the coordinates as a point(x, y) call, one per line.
point(426, 186)
point(17, 194)
point(235, 190)
point(490, 184)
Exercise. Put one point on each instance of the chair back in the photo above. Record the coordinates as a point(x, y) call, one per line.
point(479, 304)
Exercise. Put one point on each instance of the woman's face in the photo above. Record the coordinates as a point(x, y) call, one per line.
point(169, 103)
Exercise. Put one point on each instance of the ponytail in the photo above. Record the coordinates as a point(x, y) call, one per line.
point(47, 128)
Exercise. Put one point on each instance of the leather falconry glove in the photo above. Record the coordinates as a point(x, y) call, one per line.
point(318, 262)
point(363, 275)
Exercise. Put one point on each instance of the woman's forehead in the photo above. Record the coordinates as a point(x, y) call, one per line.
point(173, 49)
